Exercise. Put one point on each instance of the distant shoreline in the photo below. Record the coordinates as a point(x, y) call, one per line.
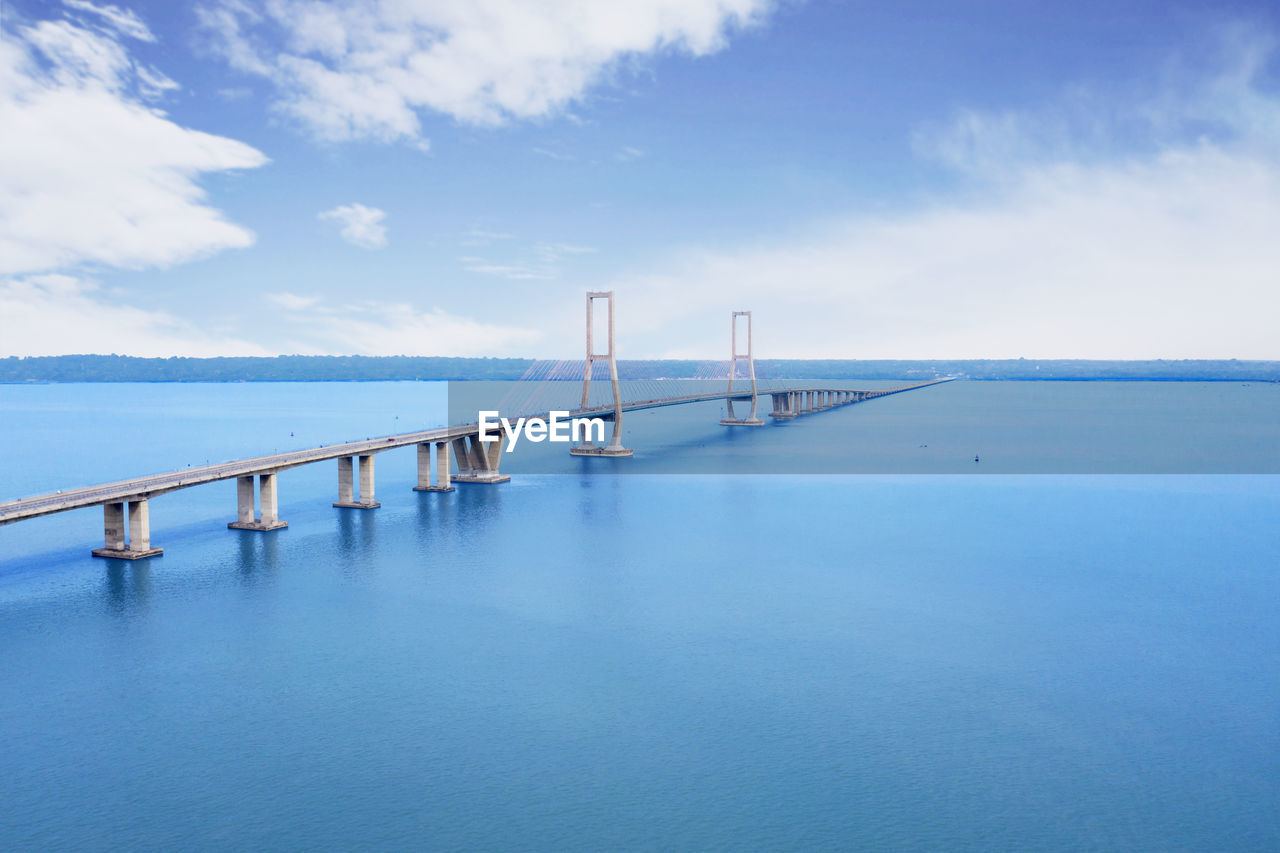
point(112, 368)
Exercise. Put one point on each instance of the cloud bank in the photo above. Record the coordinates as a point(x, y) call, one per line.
point(364, 69)
point(373, 327)
point(91, 172)
point(1129, 225)
point(55, 314)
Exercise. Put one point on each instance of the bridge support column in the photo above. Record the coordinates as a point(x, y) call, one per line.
point(478, 461)
point(615, 448)
point(113, 527)
point(366, 480)
point(267, 501)
point(784, 406)
point(441, 483)
point(246, 519)
point(244, 500)
point(139, 526)
point(346, 498)
point(346, 481)
point(734, 355)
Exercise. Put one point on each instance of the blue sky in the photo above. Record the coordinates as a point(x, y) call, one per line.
point(936, 179)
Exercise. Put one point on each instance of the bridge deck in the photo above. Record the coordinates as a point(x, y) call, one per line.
point(141, 488)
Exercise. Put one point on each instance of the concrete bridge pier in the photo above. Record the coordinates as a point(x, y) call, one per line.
point(346, 496)
point(441, 483)
point(478, 461)
point(246, 519)
point(784, 405)
point(113, 527)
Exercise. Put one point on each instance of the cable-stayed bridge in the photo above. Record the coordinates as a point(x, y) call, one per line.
point(460, 456)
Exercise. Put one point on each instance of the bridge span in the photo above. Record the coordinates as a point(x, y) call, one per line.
point(126, 507)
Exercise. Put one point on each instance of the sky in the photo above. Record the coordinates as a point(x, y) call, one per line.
point(873, 180)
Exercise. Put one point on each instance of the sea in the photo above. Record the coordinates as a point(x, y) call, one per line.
point(839, 632)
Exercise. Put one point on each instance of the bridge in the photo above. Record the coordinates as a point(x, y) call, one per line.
point(126, 504)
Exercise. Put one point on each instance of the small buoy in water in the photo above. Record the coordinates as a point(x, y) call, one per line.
point(290, 433)
point(975, 457)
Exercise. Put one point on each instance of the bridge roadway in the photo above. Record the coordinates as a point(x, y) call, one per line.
point(143, 488)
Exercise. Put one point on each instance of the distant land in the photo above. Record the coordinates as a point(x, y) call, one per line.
point(308, 368)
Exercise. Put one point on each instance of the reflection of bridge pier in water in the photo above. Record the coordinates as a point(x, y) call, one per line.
point(126, 505)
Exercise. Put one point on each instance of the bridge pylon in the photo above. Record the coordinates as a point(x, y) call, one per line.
point(734, 358)
point(587, 447)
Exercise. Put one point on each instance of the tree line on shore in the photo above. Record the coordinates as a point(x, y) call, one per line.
point(308, 368)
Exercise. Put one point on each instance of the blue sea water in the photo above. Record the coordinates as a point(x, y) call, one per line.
point(576, 661)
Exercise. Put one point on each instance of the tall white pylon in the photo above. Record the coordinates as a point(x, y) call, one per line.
point(734, 356)
point(615, 448)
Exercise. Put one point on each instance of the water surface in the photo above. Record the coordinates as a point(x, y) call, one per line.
point(588, 662)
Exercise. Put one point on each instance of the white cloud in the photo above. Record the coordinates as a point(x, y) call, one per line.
point(546, 263)
point(554, 155)
point(292, 301)
point(394, 328)
point(361, 226)
point(366, 68)
point(153, 84)
point(56, 314)
point(481, 237)
point(1065, 244)
point(514, 272)
point(89, 174)
point(628, 153)
point(122, 21)
point(552, 252)
point(1141, 119)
